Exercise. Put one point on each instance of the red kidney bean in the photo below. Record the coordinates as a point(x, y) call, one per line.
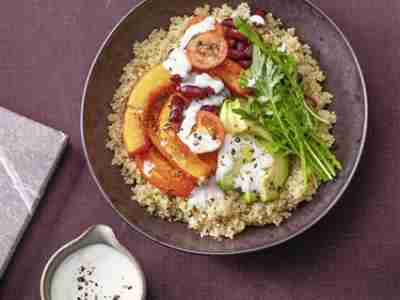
point(228, 23)
point(260, 12)
point(236, 35)
point(178, 105)
point(176, 78)
point(245, 63)
point(210, 108)
point(232, 43)
point(192, 92)
point(236, 54)
point(241, 46)
point(249, 51)
point(209, 91)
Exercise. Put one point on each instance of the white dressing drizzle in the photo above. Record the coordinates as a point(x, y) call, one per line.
point(177, 62)
point(203, 81)
point(257, 20)
point(202, 195)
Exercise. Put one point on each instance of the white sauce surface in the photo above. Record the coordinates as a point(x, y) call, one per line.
point(191, 138)
point(207, 24)
point(203, 81)
point(202, 195)
point(177, 62)
point(251, 174)
point(215, 100)
point(202, 142)
point(257, 20)
point(189, 120)
point(98, 270)
point(148, 166)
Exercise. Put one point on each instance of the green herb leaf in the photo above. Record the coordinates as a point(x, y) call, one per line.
point(280, 108)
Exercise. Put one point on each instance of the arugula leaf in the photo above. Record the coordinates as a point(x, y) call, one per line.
point(279, 106)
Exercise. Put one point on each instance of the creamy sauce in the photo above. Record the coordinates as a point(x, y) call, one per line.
point(207, 24)
point(199, 142)
point(177, 62)
point(189, 120)
point(202, 195)
point(202, 142)
point(203, 81)
point(148, 166)
point(257, 20)
point(251, 174)
point(100, 272)
point(215, 100)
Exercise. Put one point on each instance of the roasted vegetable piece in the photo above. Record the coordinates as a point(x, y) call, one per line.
point(207, 50)
point(163, 134)
point(209, 121)
point(134, 136)
point(160, 173)
point(210, 158)
point(229, 72)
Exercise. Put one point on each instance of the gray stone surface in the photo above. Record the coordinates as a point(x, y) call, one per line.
point(29, 153)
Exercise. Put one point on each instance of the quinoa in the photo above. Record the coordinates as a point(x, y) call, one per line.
point(222, 218)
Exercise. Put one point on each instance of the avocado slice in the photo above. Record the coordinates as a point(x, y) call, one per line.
point(249, 197)
point(259, 131)
point(232, 122)
point(227, 183)
point(275, 178)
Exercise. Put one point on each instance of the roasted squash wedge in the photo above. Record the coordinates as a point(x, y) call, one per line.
point(134, 136)
point(160, 173)
point(163, 135)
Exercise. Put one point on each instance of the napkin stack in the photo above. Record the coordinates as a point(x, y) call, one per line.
point(29, 153)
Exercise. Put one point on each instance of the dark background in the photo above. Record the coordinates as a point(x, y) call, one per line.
point(46, 47)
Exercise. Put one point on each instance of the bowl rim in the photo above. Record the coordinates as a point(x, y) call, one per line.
point(241, 251)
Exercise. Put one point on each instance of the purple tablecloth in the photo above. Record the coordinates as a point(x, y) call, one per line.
point(46, 48)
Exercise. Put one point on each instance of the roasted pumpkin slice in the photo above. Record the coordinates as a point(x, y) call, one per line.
point(229, 72)
point(163, 134)
point(211, 159)
point(134, 136)
point(160, 173)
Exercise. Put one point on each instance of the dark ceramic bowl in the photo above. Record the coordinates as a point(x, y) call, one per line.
point(345, 81)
